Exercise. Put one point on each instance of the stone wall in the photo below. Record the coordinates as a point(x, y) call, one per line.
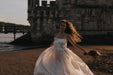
point(89, 15)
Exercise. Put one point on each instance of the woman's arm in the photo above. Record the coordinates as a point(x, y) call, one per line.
point(92, 53)
point(75, 45)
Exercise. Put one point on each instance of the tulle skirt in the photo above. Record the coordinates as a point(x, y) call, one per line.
point(62, 62)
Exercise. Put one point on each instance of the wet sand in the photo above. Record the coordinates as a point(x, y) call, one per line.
point(22, 62)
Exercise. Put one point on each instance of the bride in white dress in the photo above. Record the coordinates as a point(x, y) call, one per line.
point(60, 60)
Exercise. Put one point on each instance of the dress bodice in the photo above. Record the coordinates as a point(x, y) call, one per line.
point(60, 42)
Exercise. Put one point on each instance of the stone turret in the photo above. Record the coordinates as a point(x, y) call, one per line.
point(42, 18)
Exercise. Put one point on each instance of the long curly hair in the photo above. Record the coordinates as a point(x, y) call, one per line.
point(73, 34)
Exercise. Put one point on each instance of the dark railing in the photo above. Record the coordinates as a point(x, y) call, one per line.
point(12, 29)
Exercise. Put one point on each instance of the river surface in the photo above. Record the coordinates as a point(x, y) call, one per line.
point(6, 38)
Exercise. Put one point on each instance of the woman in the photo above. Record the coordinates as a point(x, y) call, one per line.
point(60, 60)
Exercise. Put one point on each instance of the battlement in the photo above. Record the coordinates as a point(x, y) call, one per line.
point(46, 2)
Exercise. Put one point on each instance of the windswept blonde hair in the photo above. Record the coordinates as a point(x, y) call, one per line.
point(73, 34)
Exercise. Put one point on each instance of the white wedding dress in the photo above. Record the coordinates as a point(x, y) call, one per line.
point(60, 60)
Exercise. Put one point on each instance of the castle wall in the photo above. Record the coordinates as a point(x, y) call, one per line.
point(89, 17)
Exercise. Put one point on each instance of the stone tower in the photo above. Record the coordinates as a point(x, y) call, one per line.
point(89, 17)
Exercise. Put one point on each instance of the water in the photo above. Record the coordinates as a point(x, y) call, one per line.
point(6, 38)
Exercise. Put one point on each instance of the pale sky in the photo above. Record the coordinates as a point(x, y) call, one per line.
point(14, 11)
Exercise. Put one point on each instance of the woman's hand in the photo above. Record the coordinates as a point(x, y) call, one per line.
point(93, 53)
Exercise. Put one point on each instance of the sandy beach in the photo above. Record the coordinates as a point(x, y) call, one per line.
point(22, 62)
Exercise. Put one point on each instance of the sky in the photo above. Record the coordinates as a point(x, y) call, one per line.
point(14, 11)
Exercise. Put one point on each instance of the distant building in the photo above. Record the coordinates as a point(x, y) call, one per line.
point(11, 28)
point(89, 17)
